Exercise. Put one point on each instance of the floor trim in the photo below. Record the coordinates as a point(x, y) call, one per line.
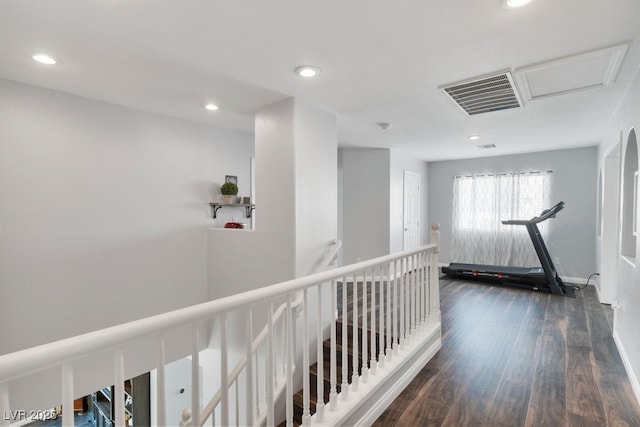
point(633, 379)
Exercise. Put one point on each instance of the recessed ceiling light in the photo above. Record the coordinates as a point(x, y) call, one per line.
point(44, 59)
point(307, 71)
point(473, 137)
point(516, 3)
point(211, 107)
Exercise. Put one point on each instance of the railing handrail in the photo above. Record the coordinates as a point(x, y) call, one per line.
point(330, 256)
point(35, 359)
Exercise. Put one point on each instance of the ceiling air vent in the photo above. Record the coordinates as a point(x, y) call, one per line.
point(485, 146)
point(484, 94)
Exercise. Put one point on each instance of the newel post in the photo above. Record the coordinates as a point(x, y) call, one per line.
point(435, 234)
point(434, 279)
point(185, 418)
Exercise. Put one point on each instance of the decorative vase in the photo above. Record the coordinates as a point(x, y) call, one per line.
point(229, 198)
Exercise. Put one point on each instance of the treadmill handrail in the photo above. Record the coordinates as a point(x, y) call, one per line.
point(549, 213)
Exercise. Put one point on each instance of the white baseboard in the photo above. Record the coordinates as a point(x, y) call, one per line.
point(633, 379)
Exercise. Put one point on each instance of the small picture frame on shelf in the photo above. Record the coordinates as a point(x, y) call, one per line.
point(246, 200)
point(231, 178)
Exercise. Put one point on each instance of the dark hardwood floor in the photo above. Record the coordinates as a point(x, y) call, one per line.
point(511, 357)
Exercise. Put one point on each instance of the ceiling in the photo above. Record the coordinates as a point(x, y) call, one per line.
point(381, 61)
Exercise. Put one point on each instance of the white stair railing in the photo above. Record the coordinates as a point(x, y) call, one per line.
point(397, 288)
point(281, 359)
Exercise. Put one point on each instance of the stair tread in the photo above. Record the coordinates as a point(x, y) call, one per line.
point(298, 397)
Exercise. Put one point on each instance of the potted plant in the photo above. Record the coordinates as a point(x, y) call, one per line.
point(229, 191)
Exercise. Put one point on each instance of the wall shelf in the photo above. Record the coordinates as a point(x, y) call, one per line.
point(248, 208)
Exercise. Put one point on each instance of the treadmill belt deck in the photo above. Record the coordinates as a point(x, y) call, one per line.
point(495, 269)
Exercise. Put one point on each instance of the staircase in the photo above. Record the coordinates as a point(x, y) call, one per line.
point(364, 359)
point(326, 369)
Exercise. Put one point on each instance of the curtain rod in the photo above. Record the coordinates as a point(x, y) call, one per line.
point(479, 175)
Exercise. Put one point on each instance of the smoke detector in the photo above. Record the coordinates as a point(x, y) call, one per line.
point(384, 126)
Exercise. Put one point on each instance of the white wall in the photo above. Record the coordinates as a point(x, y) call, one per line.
point(371, 188)
point(365, 203)
point(571, 235)
point(627, 315)
point(296, 211)
point(316, 185)
point(104, 213)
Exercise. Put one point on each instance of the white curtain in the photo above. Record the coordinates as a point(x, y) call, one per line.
point(481, 202)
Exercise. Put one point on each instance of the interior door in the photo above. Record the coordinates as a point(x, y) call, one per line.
point(411, 223)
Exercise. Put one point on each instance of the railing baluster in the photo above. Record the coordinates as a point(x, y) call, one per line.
point(195, 375)
point(249, 368)
point(396, 306)
point(419, 296)
point(224, 372)
point(435, 290)
point(257, 387)
point(365, 335)
point(381, 318)
point(407, 289)
point(289, 360)
point(118, 388)
point(161, 410)
point(237, 403)
point(270, 377)
point(67, 395)
point(412, 300)
point(333, 394)
point(306, 392)
point(425, 286)
point(422, 287)
point(402, 301)
point(320, 360)
point(389, 333)
point(413, 296)
point(375, 344)
point(344, 343)
point(418, 290)
point(283, 340)
point(354, 330)
point(5, 408)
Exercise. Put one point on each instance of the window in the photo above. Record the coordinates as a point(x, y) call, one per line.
point(481, 202)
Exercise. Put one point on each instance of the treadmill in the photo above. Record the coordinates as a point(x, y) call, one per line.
point(543, 278)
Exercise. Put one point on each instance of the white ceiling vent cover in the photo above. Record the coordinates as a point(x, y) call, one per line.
point(589, 70)
point(484, 94)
